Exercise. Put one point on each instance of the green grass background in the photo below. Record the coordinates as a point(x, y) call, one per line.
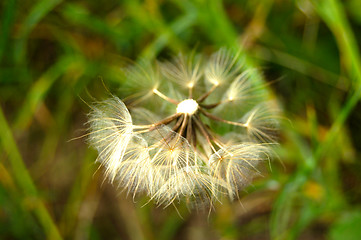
point(53, 52)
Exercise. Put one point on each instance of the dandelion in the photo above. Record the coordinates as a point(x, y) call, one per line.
point(210, 130)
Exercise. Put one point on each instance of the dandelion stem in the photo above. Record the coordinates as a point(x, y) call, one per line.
point(204, 96)
point(210, 106)
point(190, 92)
point(204, 131)
point(164, 121)
point(178, 123)
point(211, 116)
point(184, 124)
point(189, 133)
point(167, 120)
point(210, 136)
point(168, 99)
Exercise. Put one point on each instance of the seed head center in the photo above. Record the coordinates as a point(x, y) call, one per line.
point(188, 106)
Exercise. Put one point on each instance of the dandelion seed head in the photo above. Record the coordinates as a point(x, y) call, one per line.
point(171, 151)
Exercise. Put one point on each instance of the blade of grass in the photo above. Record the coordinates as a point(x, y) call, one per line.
point(8, 14)
point(257, 25)
point(40, 88)
point(177, 27)
point(19, 222)
point(78, 192)
point(300, 65)
point(283, 206)
point(154, 23)
point(282, 209)
point(216, 24)
point(38, 12)
point(61, 119)
point(24, 181)
point(334, 15)
point(79, 15)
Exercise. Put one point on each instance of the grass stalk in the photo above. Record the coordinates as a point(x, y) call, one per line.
point(24, 181)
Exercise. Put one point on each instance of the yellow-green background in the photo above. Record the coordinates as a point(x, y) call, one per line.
point(53, 52)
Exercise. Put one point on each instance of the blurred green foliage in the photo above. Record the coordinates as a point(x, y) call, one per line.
point(53, 52)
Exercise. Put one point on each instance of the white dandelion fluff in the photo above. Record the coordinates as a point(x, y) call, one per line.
point(238, 164)
point(222, 67)
point(133, 171)
point(111, 130)
point(184, 70)
point(205, 141)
